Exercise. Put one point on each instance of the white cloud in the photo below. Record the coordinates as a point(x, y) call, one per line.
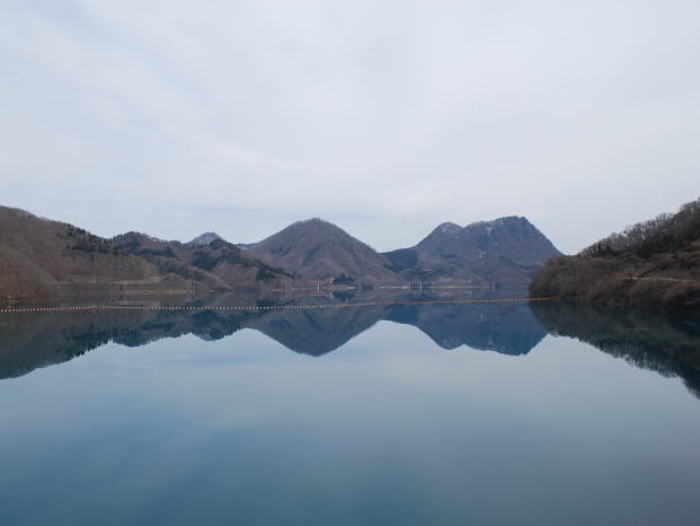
point(384, 117)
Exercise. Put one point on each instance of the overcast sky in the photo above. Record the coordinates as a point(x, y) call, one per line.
point(387, 118)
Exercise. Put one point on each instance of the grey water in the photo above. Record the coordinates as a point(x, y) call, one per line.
point(484, 413)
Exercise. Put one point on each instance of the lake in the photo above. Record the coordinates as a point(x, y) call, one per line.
point(419, 410)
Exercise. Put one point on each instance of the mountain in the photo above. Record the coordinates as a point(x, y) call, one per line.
point(38, 257)
point(41, 259)
point(218, 263)
point(204, 239)
point(654, 265)
point(318, 250)
point(506, 250)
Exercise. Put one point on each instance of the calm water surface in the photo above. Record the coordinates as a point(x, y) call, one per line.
point(434, 414)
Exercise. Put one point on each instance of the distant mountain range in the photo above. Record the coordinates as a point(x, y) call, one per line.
point(40, 258)
point(506, 250)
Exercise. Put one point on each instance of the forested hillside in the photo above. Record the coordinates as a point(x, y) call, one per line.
point(654, 264)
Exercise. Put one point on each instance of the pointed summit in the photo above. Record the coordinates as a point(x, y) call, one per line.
point(449, 229)
point(319, 250)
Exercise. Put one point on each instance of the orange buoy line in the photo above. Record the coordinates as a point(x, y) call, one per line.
point(97, 307)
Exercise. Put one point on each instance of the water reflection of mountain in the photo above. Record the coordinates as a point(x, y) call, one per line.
point(32, 340)
point(508, 328)
point(317, 331)
point(669, 345)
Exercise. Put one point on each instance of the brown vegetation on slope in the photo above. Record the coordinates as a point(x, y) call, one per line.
point(655, 264)
point(318, 250)
point(37, 255)
point(42, 259)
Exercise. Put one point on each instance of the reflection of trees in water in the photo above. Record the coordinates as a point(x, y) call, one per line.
point(32, 340)
point(669, 345)
point(29, 341)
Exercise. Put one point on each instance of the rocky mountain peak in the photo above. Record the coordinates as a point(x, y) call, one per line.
point(449, 229)
point(205, 239)
point(507, 249)
point(512, 224)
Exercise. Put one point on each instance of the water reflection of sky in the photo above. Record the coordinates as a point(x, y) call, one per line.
point(388, 429)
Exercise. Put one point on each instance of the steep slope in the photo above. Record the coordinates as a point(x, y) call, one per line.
point(655, 265)
point(506, 250)
point(36, 255)
point(42, 259)
point(318, 250)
